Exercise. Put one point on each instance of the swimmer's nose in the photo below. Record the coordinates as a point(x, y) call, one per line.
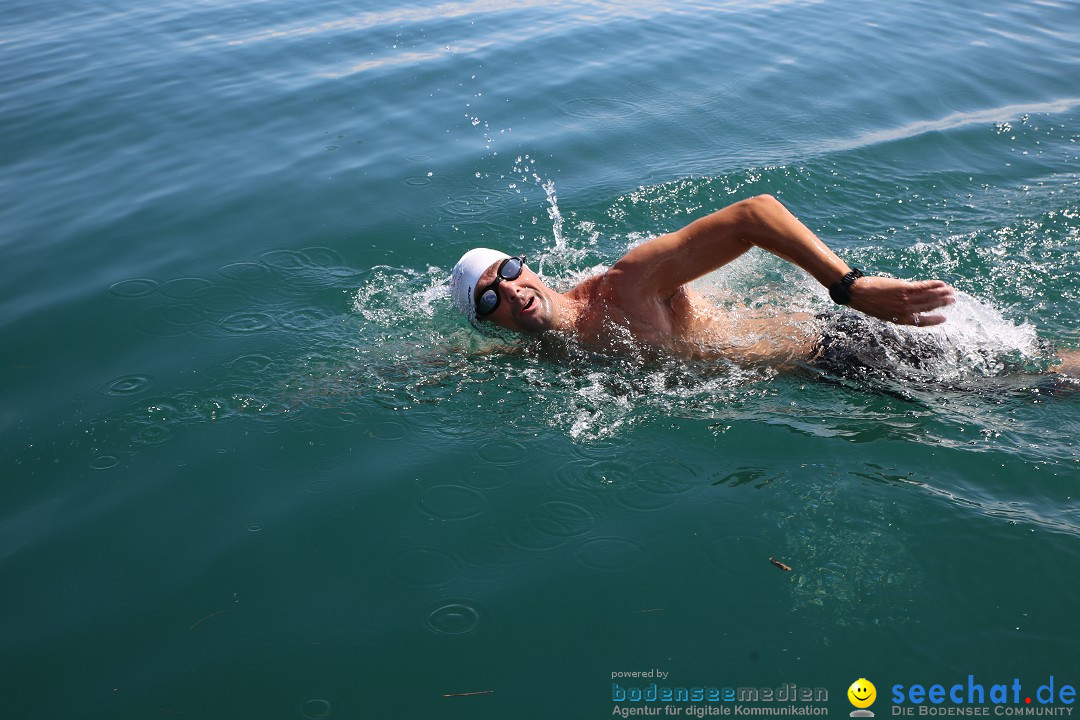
point(514, 293)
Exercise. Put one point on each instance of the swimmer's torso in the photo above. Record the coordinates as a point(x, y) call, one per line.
point(688, 324)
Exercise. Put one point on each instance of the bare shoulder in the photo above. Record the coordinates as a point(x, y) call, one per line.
point(597, 287)
point(614, 290)
point(640, 271)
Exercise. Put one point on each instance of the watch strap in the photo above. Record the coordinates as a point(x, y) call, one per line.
point(840, 291)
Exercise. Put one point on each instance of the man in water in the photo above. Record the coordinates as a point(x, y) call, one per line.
point(644, 300)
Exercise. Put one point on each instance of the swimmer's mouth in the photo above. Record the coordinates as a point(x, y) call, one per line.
point(528, 305)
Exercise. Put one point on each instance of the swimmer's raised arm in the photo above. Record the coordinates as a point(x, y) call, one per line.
point(658, 268)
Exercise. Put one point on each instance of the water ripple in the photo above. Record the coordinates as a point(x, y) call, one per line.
point(135, 287)
point(127, 385)
point(456, 618)
point(425, 567)
point(452, 502)
point(610, 554)
point(600, 108)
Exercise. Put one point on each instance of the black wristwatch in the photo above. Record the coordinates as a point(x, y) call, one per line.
point(840, 291)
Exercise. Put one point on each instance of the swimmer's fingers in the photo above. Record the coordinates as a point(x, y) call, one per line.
point(919, 305)
point(930, 294)
point(900, 301)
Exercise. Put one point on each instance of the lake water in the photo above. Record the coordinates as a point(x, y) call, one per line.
point(254, 465)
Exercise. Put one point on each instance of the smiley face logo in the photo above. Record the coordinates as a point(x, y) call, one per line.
point(862, 693)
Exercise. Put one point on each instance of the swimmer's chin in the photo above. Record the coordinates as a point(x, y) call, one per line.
point(535, 317)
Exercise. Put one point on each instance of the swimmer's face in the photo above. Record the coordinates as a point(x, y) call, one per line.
point(862, 693)
point(524, 302)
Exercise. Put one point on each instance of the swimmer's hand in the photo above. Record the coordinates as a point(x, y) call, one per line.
point(900, 301)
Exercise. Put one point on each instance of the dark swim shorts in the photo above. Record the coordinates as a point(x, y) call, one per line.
point(853, 344)
point(857, 347)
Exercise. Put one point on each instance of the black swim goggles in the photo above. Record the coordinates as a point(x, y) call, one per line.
point(488, 301)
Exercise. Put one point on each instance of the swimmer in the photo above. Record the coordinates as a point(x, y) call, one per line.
point(644, 297)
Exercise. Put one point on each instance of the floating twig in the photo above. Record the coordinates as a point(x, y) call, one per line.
point(782, 566)
point(467, 694)
point(200, 622)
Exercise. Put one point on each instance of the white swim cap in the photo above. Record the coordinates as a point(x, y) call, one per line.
point(465, 274)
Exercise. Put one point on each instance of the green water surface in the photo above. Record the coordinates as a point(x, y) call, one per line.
point(252, 464)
